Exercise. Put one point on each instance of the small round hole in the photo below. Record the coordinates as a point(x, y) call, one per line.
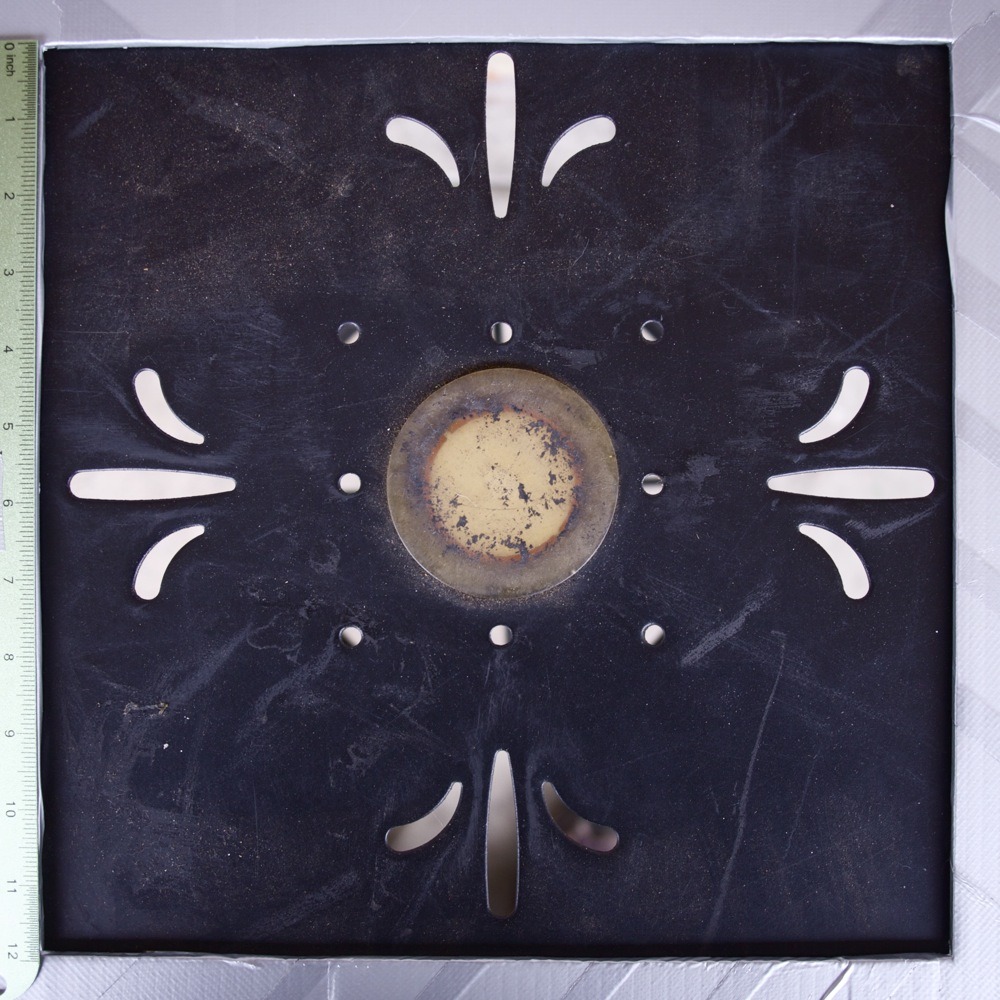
point(652, 484)
point(653, 634)
point(348, 333)
point(349, 483)
point(501, 635)
point(652, 331)
point(501, 333)
point(351, 636)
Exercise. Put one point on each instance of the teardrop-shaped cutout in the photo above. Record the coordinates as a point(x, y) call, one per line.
point(501, 116)
point(501, 839)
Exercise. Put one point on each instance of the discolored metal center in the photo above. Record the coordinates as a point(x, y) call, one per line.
point(503, 483)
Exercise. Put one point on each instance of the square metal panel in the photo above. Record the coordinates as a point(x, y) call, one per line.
point(220, 769)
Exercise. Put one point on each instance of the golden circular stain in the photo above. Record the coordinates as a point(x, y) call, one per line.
point(500, 484)
point(503, 483)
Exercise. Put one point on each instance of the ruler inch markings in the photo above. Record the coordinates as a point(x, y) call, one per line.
point(19, 910)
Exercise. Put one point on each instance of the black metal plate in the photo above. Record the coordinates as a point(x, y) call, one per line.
point(219, 772)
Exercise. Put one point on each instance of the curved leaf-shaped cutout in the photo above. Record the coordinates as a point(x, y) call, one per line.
point(853, 574)
point(149, 573)
point(149, 392)
point(410, 836)
point(577, 138)
point(582, 832)
point(858, 483)
point(851, 397)
point(421, 137)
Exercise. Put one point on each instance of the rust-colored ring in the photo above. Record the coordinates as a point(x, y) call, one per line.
point(503, 483)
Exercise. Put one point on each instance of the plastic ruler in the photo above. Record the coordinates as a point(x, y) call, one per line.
point(19, 807)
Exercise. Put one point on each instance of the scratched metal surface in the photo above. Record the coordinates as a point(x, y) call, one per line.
point(973, 971)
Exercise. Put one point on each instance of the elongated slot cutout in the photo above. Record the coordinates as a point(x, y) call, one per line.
point(410, 836)
point(147, 484)
point(584, 833)
point(860, 483)
point(501, 840)
point(501, 101)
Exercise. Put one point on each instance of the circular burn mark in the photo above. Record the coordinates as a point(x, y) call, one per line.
point(503, 483)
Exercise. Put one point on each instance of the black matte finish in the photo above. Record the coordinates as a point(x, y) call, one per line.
point(219, 772)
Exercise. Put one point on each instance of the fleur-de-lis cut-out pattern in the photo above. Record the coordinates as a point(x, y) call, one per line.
point(500, 122)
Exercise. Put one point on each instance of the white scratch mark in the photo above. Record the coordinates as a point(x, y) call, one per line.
point(725, 632)
point(798, 809)
point(727, 876)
